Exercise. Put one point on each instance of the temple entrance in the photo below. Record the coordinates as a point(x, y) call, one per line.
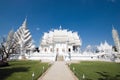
point(59, 57)
point(60, 48)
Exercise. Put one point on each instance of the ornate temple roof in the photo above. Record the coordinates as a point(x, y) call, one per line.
point(104, 46)
point(61, 36)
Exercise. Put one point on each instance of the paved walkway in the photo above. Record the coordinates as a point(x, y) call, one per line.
point(58, 71)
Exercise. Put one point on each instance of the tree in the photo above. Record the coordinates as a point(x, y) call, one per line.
point(7, 46)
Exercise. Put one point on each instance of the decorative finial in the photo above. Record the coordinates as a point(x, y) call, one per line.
point(25, 22)
point(105, 41)
point(113, 26)
point(60, 27)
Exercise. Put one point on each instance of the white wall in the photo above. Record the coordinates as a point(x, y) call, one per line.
point(42, 56)
point(74, 56)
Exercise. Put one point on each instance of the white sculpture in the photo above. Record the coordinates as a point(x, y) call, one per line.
point(104, 47)
point(116, 39)
point(24, 38)
point(88, 48)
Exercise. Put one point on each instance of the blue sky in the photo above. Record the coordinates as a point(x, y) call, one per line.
point(92, 19)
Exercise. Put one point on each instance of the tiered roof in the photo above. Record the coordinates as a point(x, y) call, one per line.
point(61, 36)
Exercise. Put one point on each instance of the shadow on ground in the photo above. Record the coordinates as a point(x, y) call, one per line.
point(106, 76)
point(6, 72)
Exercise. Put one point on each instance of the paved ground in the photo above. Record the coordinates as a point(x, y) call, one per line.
point(58, 71)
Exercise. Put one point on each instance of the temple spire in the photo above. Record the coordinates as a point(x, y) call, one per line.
point(25, 23)
point(60, 27)
point(113, 27)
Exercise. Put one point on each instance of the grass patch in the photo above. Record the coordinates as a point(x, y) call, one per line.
point(22, 70)
point(96, 70)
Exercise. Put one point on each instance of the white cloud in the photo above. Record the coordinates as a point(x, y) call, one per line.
point(37, 28)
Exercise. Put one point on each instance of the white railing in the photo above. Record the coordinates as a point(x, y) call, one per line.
point(67, 57)
point(42, 56)
point(34, 56)
point(76, 56)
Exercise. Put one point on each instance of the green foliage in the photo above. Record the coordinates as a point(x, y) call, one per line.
point(22, 70)
point(96, 70)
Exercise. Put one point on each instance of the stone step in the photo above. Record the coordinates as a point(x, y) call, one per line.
point(60, 58)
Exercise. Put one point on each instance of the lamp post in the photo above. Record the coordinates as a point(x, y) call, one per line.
point(67, 45)
point(54, 50)
point(33, 76)
point(83, 77)
point(43, 69)
point(53, 46)
point(68, 50)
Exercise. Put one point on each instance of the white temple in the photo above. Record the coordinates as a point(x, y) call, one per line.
point(60, 41)
point(62, 44)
